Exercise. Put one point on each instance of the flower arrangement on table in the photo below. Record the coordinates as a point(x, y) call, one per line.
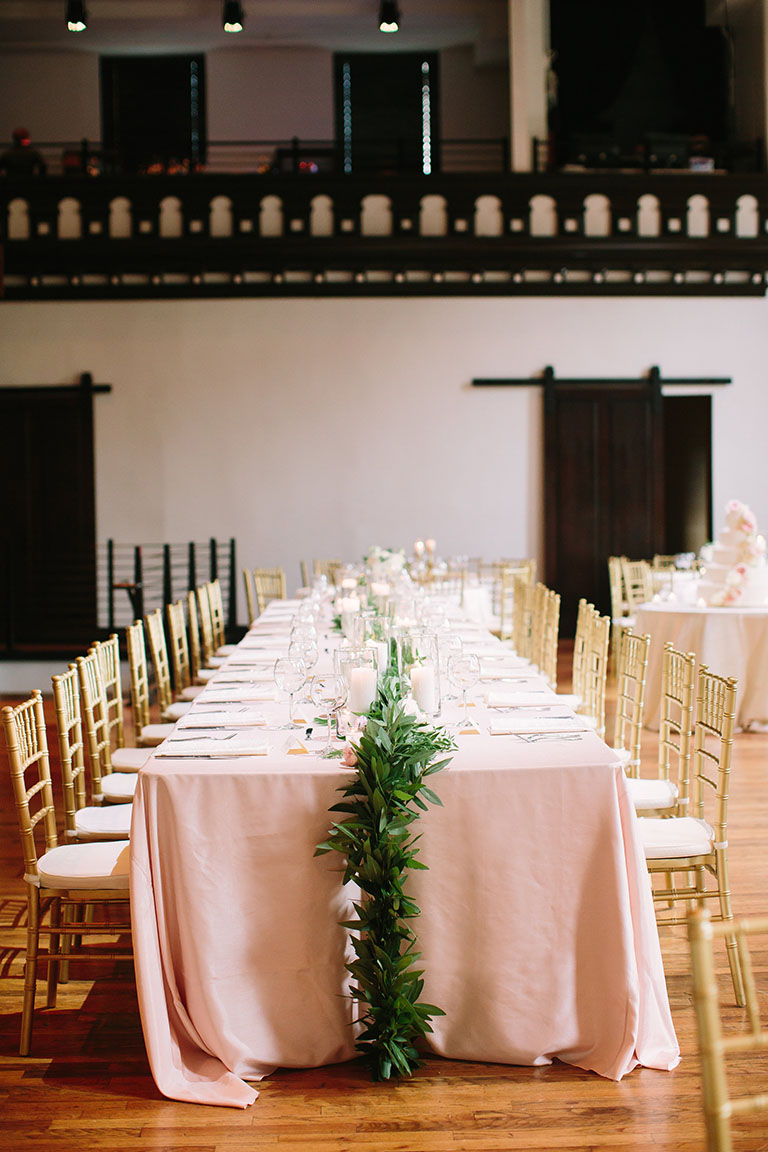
point(394, 755)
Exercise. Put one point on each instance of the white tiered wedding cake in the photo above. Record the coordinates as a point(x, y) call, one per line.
point(734, 567)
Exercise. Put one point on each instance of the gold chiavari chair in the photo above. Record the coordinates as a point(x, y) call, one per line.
point(82, 821)
point(595, 672)
point(716, 1049)
point(524, 597)
point(178, 642)
point(581, 641)
point(630, 698)
point(209, 655)
point(170, 709)
point(545, 656)
point(620, 614)
point(218, 622)
point(695, 847)
point(638, 583)
point(200, 672)
point(328, 568)
point(106, 785)
point(505, 577)
point(268, 585)
point(148, 735)
point(666, 794)
point(75, 892)
point(123, 759)
point(304, 573)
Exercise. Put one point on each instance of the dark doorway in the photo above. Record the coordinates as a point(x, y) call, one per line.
point(604, 484)
point(153, 112)
point(687, 472)
point(47, 531)
point(387, 111)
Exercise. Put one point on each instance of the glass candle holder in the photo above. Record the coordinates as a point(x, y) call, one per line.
point(359, 669)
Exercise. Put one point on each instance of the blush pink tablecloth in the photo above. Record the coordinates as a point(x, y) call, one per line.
point(537, 928)
point(730, 641)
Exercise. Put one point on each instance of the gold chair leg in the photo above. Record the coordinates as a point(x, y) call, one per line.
point(30, 970)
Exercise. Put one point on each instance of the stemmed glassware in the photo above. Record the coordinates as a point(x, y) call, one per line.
point(464, 673)
point(448, 644)
point(290, 675)
point(329, 694)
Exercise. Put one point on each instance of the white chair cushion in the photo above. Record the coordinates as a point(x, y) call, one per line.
point(119, 787)
point(569, 700)
point(110, 822)
point(652, 793)
point(129, 759)
point(97, 865)
point(206, 674)
point(175, 711)
point(216, 661)
point(192, 691)
point(677, 836)
point(226, 650)
point(154, 734)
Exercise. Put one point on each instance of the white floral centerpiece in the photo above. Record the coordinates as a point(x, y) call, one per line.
point(385, 564)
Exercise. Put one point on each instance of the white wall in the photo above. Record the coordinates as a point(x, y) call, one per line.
point(315, 428)
point(252, 94)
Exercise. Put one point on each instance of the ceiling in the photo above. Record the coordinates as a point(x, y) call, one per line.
point(163, 26)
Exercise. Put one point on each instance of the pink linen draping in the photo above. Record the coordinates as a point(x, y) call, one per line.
point(730, 641)
point(537, 928)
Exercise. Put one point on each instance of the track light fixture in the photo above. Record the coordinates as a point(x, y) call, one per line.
point(232, 17)
point(77, 17)
point(389, 16)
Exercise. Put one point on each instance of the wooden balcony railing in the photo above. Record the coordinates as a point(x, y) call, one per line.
point(449, 234)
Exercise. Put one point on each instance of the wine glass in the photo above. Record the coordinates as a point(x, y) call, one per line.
point(290, 675)
point(464, 673)
point(329, 693)
point(304, 648)
point(448, 644)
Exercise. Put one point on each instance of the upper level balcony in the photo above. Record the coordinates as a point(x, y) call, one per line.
point(293, 225)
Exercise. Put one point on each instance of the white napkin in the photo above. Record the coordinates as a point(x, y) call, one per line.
point(242, 676)
point(222, 718)
point(255, 656)
point(521, 699)
point(503, 672)
point(213, 746)
point(233, 694)
point(518, 725)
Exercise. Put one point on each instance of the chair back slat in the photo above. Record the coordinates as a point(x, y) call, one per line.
point(69, 726)
point(26, 741)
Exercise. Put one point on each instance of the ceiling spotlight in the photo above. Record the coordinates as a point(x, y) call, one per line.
point(232, 17)
point(77, 17)
point(389, 16)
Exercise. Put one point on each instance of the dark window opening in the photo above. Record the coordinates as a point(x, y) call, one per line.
point(153, 112)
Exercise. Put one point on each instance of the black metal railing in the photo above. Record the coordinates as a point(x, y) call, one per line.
point(134, 579)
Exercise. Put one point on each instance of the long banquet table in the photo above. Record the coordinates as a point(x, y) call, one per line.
point(731, 641)
point(537, 929)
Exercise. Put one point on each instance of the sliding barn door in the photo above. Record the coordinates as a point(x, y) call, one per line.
point(47, 527)
point(604, 483)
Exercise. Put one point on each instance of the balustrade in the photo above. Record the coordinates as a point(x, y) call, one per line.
point(514, 224)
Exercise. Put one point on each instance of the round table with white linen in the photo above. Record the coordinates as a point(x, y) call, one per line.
point(730, 641)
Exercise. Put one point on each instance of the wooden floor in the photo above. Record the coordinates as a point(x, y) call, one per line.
point(88, 1084)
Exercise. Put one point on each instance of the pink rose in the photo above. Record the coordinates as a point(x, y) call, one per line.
point(349, 757)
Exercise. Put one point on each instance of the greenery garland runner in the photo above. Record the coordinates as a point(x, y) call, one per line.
point(395, 754)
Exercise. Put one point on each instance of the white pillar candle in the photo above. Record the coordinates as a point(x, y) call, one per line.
point(362, 689)
point(381, 648)
point(418, 548)
point(349, 583)
point(423, 686)
point(349, 604)
point(379, 588)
